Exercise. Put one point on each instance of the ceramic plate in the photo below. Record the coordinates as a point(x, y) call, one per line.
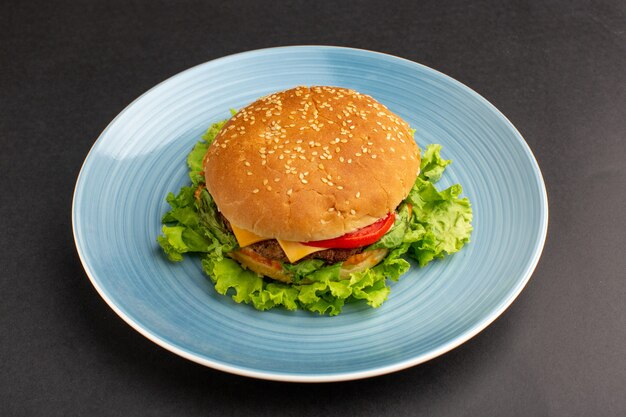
point(140, 157)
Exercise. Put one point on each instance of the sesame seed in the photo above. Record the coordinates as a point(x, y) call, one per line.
point(331, 209)
point(358, 194)
point(256, 190)
point(249, 173)
point(352, 212)
point(289, 191)
point(339, 187)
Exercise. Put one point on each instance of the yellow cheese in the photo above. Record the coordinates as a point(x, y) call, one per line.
point(296, 251)
point(244, 237)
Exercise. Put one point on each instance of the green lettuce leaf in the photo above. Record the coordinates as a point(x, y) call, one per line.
point(182, 232)
point(211, 221)
point(303, 268)
point(177, 240)
point(323, 293)
point(442, 218)
point(396, 235)
point(440, 221)
point(432, 164)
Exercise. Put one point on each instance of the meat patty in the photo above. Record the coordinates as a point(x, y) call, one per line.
point(271, 249)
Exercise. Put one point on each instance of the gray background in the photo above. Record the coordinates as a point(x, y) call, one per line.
point(557, 69)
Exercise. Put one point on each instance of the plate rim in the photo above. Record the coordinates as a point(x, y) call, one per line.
point(330, 377)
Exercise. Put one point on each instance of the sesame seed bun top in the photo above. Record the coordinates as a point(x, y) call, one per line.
point(311, 163)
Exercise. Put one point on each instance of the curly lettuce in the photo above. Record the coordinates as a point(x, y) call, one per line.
point(430, 224)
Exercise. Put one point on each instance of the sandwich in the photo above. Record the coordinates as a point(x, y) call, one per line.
point(308, 198)
point(311, 173)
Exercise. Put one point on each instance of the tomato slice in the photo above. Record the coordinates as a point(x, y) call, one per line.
point(364, 236)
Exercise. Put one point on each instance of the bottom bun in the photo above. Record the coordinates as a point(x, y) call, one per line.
point(273, 269)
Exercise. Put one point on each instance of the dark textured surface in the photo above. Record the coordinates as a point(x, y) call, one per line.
point(557, 69)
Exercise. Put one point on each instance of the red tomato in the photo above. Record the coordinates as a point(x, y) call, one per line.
point(364, 236)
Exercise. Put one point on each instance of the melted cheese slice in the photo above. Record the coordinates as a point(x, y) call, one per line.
point(244, 237)
point(294, 250)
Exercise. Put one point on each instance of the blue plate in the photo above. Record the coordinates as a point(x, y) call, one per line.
point(140, 157)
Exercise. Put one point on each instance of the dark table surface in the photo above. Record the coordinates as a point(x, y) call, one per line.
point(557, 69)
